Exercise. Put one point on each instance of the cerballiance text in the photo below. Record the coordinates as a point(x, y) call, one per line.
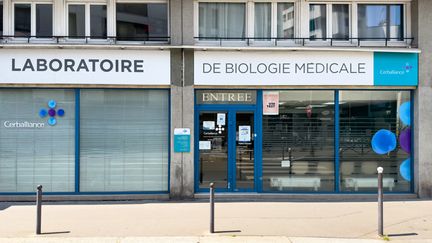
point(79, 65)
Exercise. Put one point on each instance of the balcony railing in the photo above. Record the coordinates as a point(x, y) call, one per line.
point(57, 39)
point(299, 41)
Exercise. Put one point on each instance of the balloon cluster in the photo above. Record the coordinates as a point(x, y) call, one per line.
point(384, 141)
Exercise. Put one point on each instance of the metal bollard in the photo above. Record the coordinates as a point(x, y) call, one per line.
point(380, 202)
point(212, 207)
point(38, 209)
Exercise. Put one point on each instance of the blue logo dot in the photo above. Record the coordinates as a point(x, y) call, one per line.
point(52, 121)
point(52, 104)
point(43, 113)
point(60, 112)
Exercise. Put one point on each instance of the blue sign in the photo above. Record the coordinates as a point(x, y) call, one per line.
point(181, 140)
point(395, 69)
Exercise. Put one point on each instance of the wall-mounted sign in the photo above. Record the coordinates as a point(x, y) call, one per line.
point(305, 68)
point(247, 97)
point(271, 103)
point(79, 66)
point(182, 140)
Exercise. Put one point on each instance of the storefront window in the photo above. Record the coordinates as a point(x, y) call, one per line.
point(142, 21)
point(37, 140)
point(222, 20)
point(124, 140)
point(362, 114)
point(298, 143)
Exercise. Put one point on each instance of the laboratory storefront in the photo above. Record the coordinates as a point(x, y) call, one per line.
point(304, 121)
point(64, 124)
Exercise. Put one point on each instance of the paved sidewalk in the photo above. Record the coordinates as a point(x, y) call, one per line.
point(129, 222)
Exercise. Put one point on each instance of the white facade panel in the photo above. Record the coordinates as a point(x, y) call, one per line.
point(84, 66)
point(283, 68)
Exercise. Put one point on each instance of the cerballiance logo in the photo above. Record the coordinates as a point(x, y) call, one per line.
point(405, 70)
point(51, 112)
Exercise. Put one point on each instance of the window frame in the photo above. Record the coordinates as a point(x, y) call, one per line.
point(249, 22)
point(274, 23)
point(114, 20)
point(87, 26)
point(329, 24)
point(406, 31)
point(32, 19)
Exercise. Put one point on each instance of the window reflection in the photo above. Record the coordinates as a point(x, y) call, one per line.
point(380, 21)
point(77, 21)
point(44, 20)
point(298, 144)
point(22, 19)
point(139, 21)
point(285, 20)
point(362, 114)
point(317, 21)
point(98, 21)
point(340, 21)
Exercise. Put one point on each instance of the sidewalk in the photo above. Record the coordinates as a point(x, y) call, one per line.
point(129, 222)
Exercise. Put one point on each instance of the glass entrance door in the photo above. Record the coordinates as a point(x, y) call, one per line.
point(226, 150)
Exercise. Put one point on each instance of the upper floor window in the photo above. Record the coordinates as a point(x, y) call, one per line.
point(283, 27)
point(285, 20)
point(223, 20)
point(81, 25)
point(318, 21)
point(329, 21)
point(142, 21)
point(340, 21)
point(378, 22)
point(39, 13)
point(1, 18)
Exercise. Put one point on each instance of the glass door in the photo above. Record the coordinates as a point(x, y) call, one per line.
point(244, 147)
point(213, 149)
point(226, 150)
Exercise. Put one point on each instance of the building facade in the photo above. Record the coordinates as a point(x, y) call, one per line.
point(158, 98)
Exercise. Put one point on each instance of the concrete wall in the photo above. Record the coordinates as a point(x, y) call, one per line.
point(182, 97)
point(422, 21)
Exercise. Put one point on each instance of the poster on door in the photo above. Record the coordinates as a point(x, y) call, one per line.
point(244, 133)
point(270, 103)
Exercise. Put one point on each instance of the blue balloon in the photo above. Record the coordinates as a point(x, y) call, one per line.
point(383, 141)
point(43, 113)
point(52, 103)
point(52, 121)
point(405, 170)
point(405, 113)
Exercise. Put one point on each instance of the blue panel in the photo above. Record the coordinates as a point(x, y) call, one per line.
point(336, 145)
point(77, 140)
point(258, 142)
point(395, 69)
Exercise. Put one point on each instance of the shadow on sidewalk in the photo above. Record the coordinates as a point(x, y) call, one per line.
point(403, 234)
point(55, 233)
